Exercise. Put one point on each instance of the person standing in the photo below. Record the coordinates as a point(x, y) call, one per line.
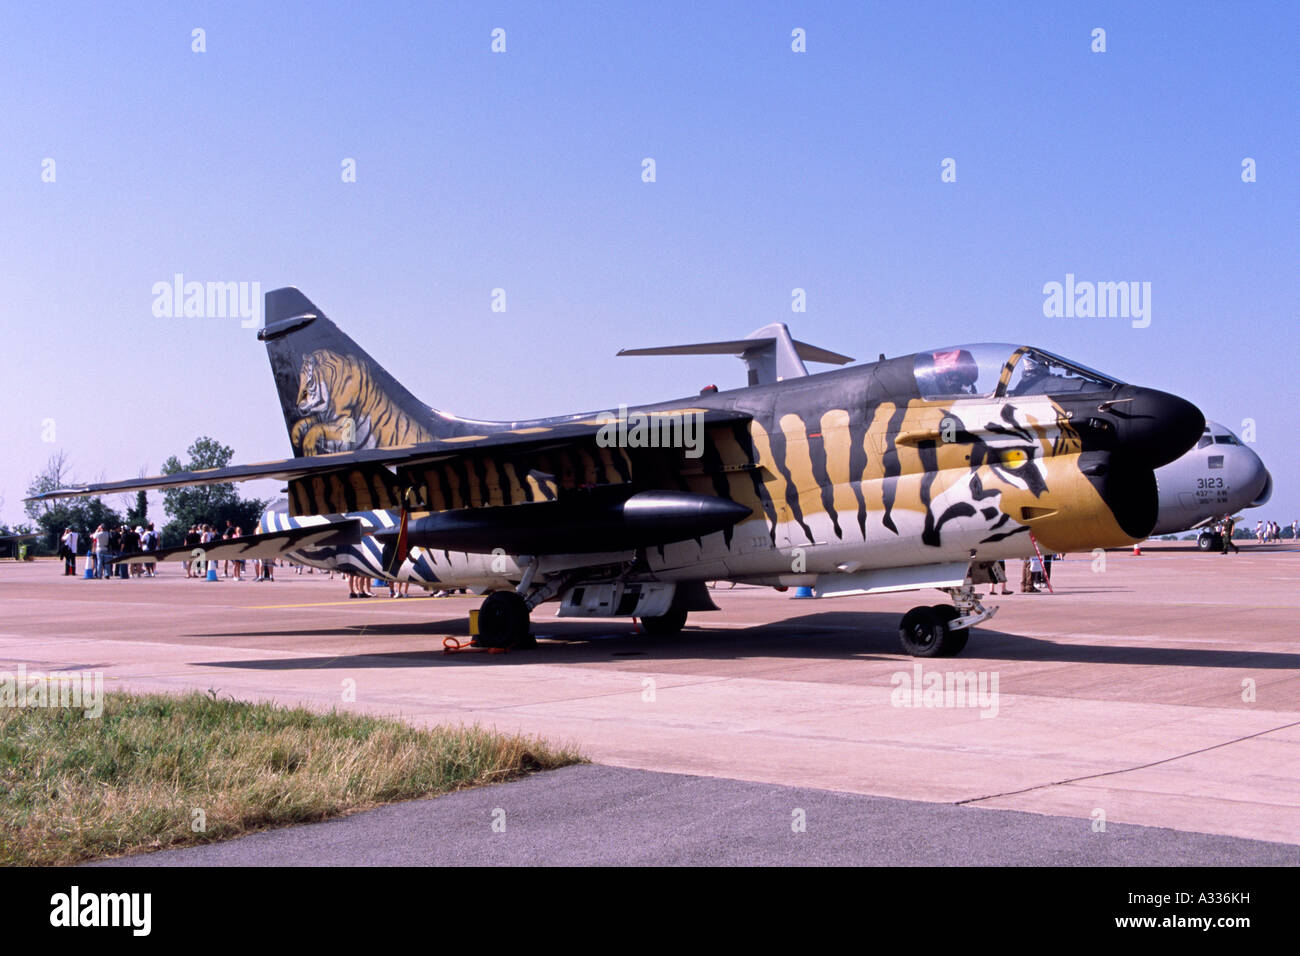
point(1001, 573)
point(69, 542)
point(114, 549)
point(150, 545)
point(237, 562)
point(1229, 523)
point(102, 540)
point(191, 542)
point(207, 537)
point(131, 543)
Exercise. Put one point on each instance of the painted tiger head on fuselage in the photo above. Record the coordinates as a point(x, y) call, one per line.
point(344, 408)
point(1008, 468)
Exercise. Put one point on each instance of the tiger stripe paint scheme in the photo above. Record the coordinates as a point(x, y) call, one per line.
point(873, 482)
point(943, 460)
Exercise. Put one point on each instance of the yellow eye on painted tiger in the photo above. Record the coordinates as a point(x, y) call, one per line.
point(1013, 458)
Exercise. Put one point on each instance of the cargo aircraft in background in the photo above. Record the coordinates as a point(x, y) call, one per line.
point(1218, 477)
point(916, 472)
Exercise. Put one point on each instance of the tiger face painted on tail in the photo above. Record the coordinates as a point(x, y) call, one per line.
point(344, 409)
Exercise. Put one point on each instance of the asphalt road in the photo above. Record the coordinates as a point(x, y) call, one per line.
point(611, 816)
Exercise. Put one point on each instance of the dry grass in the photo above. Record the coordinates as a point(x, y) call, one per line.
point(73, 789)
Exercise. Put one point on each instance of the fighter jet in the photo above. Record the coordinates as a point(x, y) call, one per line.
point(915, 472)
point(1219, 477)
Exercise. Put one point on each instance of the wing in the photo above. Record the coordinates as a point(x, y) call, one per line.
point(503, 467)
point(271, 544)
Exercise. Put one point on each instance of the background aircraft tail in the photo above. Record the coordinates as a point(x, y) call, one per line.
point(770, 354)
point(335, 397)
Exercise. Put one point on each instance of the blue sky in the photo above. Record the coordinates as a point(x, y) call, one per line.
point(522, 170)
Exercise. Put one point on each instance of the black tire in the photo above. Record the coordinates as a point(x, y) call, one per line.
point(924, 633)
point(957, 639)
point(1207, 541)
point(666, 625)
point(503, 620)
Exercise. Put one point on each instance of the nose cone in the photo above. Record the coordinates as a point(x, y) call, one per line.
point(1265, 493)
point(1259, 484)
point(1151, 427)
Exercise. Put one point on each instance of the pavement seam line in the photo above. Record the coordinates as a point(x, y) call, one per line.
point(1111, 773)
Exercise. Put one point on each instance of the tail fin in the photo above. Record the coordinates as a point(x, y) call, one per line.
point(335, 397)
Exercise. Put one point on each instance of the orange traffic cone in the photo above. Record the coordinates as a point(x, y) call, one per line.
point(1137, 550)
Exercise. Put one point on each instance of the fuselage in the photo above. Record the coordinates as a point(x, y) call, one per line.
point(976, 453)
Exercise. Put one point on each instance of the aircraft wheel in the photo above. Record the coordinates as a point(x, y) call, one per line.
point(503, 620)
point(957, 638)
point(666, 625)
point(1205, 541)
point(925, 633)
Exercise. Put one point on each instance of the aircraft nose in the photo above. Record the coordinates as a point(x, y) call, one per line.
point(1151, 427)
point(1260, 482)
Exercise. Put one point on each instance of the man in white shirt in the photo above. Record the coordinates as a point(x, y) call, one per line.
point(69, 542)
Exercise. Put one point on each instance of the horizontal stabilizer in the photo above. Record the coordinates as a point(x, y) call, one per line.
point(271, 544)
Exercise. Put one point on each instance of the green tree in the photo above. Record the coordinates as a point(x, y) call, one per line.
point(206, 504)
point(139, 514)
point(82, 515)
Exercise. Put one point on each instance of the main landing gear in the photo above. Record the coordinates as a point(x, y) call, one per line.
point(503, 621)
point(665, 625)
point(942, 630)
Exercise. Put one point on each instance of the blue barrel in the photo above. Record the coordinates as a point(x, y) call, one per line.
point(803, 592)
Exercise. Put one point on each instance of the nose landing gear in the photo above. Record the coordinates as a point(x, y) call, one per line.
point(943, 630)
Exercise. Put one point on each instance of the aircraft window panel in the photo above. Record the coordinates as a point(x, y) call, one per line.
point(1205, 440)
point(999, 369)
point(1039, 373)
point(1225, 440)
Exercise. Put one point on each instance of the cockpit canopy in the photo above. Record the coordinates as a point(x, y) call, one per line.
point(1216, 434)
point(996, 370)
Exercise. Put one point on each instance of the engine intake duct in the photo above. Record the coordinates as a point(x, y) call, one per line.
point(1127, 487)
